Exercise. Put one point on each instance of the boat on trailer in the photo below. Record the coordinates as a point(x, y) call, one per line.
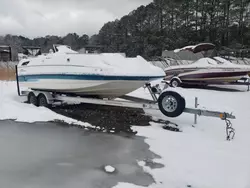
point(94, 75)
point(43, 82)
point(206, 70)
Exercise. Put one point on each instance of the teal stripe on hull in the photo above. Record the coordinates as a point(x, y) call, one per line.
point(28, 78)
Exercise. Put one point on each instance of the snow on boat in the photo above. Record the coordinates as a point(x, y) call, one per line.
point(100, 75)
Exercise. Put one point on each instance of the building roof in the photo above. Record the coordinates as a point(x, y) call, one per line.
point(6, 51)
point(31, 47)
point(4, 46)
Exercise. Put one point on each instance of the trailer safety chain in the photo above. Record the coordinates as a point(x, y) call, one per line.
point(167, 125)
point(230, 131)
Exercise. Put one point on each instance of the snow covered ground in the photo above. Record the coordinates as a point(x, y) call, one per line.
point(198, 157)
point(13, 107)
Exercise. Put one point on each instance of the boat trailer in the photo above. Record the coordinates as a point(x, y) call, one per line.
point(170, 103)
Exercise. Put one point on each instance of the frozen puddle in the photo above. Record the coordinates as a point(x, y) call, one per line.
point(47, 155)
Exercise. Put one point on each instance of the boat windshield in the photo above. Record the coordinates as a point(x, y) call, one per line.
point(187, 57)
point(190, 54)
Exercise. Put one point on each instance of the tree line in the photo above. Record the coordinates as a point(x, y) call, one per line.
point(171, 24)
point(45, 43)
point(72, 39)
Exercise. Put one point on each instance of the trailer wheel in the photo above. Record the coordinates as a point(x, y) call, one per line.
point(42, 100)
point(32, 99)
point(175, 82)
point(171, 104)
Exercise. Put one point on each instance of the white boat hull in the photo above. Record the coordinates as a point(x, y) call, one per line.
point(97, 88)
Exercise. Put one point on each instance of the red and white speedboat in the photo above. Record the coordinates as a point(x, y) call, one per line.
point(207, 70)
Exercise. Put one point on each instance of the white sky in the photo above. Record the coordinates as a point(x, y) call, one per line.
point(33, 18)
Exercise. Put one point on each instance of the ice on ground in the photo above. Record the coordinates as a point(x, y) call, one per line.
point(109, 169)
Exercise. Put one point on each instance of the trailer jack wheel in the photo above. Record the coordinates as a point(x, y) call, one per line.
point(171, 104)
point(32, 99)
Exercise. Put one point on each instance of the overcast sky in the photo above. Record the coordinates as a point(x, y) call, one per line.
point(34, 18)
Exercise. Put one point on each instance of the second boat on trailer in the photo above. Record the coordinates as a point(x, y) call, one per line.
point(206, 70)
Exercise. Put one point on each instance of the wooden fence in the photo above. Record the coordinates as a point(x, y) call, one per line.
point(7, 70)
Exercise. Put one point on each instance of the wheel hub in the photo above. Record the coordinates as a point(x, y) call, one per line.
point(42, 101)
point(175, 83)
point(32, 100)
point(169, 103)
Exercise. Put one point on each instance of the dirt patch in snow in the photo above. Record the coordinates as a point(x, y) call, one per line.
point(106, 118)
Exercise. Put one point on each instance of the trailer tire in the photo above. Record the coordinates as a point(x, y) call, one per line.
point(32, 99)
point(171, 104)
point(42, 100)
point(175, 82)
